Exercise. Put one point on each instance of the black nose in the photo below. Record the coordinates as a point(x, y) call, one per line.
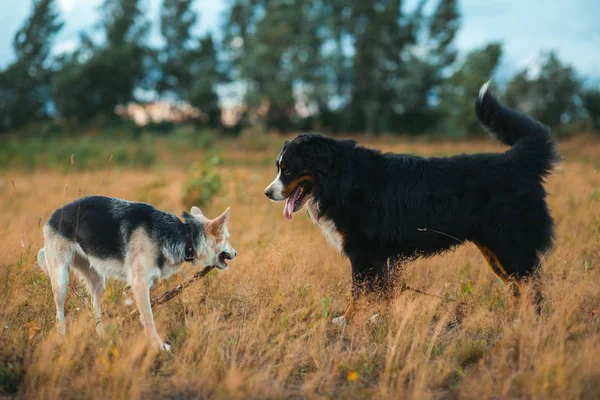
point(269, 193)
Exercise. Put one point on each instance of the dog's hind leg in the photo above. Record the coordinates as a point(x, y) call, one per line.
point(59, 254)
point(95, 284)
point(533, 280)
point(515, 268)
point(494, 262)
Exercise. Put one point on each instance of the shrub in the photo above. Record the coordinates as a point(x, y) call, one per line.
point(202, 184)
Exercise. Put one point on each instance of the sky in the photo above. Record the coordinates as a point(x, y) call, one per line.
point(525, 27)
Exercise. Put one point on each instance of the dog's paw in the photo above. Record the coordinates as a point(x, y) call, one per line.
point(155, 284)
point(61, 328)
point(339, 321)
point(100, 329)
point(165, 346)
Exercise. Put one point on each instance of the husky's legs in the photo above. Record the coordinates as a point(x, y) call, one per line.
point(95, 284)
point(141, 293)
point(58, 254)
point(141, 261)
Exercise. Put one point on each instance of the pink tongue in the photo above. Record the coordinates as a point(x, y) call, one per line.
point(288, 209)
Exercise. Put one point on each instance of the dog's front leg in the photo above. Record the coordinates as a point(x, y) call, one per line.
point(141, 293)
point(366, 278)
point(358, 286)
point(355, 295)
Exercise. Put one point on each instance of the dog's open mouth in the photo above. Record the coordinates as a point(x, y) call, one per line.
point(223, 258)
point(295, 202)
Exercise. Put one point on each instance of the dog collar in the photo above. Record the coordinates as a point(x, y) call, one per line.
point(189, 243)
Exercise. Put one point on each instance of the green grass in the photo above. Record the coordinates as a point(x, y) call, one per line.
point(108, 146)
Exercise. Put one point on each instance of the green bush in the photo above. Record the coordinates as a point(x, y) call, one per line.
point(202, 184)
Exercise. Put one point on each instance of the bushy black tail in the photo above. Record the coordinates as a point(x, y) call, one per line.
point(530, 140)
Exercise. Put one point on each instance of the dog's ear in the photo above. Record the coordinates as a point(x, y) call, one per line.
point(225, 215)
point(218, 225)
point(195, 211)
point(222, 219)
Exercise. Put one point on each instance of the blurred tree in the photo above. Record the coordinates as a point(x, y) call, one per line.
point(428, 63)
point(24, 85)
point(189, 66)
point(95, 79)
point(263, 55)
point(206, 75)
point(551, 97)
point(177, 55)
point(353, 66)
point(276, 48)
point(381, 32)
point(591, 103)
point(361, 66)
point(240, 20)
point(458, 91)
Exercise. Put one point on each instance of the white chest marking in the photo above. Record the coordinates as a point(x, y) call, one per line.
point(332, 235)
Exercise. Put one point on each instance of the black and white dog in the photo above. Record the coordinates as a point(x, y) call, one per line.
point(106, 237)
point(381, 209)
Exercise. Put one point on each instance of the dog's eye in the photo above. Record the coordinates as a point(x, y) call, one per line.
point(285, 171)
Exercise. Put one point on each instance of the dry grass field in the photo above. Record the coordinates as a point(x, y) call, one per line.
point(262, 328)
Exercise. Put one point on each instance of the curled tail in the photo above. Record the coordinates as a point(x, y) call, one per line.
point(530, 140)
point(41, 259)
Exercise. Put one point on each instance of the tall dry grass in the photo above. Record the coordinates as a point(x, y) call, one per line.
point(262, 328)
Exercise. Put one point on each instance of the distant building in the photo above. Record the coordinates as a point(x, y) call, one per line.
point(143, 114)
point(176, 112)
point(155, 112)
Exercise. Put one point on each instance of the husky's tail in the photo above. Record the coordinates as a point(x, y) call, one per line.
point(41, 259)
point(529, 140)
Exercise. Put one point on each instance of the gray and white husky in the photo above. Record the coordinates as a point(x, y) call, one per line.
point(103, 237)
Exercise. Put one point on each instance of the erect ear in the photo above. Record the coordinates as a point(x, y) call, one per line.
point(222, 219)
point(195, 211)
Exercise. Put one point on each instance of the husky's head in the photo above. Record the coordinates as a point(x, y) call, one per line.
point(214, 248)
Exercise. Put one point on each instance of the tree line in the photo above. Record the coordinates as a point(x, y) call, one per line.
point(336, 66)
